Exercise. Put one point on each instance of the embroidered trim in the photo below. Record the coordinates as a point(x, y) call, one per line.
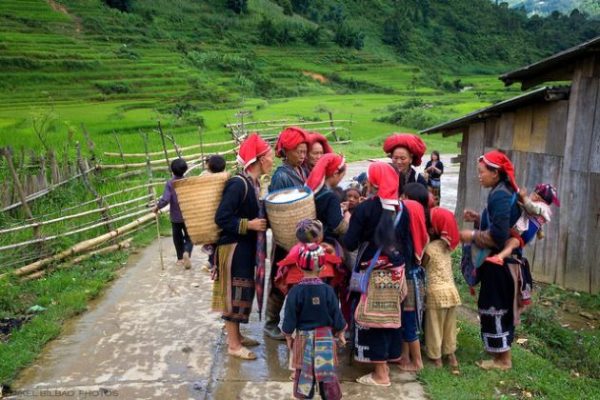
point(311, 281)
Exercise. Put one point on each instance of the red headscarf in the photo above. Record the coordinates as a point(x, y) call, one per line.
point(444, 225)
point(253, 147)
point(417, 225)
point(316, 137)
point(384, 177)
point(289, 139)
point(327, 165)
point(412, 143)
point(499, 160)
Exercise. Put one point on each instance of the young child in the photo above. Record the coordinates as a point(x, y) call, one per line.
point(312, 312)
point(289, 272)
point(352, 197)
point(442, 298)
point(181, 239)
point(214, 165)
point(536, 213)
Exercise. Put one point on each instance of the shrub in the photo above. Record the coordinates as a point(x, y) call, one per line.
point(312, 36)
point(267, 32)
point(288, 9)
point(347, 36)
point(121, 5)
point(112, 87)
point(223, 62)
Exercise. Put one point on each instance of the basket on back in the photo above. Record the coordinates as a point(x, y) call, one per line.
point(285, 208)
point(199, 198)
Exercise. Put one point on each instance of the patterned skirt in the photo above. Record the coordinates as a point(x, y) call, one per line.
point(233, 288)
point(495, 303)
point(315, 359)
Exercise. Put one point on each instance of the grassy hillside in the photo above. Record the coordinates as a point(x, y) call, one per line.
point(192, 63)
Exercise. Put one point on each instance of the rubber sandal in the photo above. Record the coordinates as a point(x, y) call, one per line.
point(490, 364)
point(369, 381)
point(249, 342)
point(242, 353)
point(495, 260)
point(454, 370)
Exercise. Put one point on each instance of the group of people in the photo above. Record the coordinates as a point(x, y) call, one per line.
point(374, 266)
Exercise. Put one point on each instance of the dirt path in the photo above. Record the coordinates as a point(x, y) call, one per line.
point(151, 335)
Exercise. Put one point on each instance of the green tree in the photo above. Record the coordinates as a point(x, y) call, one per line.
point(238, 6)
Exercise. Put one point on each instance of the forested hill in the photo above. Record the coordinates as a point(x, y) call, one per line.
point(447, 33)
point(546, 7)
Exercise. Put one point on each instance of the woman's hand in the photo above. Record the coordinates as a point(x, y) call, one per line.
point(344, 205)
point(466, 236)
point(470, 215)
point(341, 338)
point(257, 224)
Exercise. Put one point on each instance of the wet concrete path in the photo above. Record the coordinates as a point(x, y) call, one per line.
point(152, 335)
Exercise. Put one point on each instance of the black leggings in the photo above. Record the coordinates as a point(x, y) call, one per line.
point(181, 239)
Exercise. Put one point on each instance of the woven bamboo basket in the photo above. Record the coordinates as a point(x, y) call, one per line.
point(283, 216)
point(199, 198)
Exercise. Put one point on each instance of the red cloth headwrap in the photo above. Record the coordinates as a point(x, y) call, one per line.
point(253, 147)
point(417, 225)
point(289, 139)
point(412, 143)
point(316, 137)
point(499, 160)
point(444, 225)
point(384, 177)
point(327, 165)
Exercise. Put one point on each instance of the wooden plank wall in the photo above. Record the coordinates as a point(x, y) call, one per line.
point(580, 236)
point(474, 140)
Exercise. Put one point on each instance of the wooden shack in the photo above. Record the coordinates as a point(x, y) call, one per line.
point(552, 134)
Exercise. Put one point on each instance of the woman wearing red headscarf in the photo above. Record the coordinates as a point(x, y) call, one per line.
point(237, 216)
point(327, 174)
point(317, 146)
point(497, 312)
point(396, 234)
point(291, 146)
point(405, 151)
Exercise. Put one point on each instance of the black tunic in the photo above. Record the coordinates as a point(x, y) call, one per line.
point(238, 205)
point(374, 345)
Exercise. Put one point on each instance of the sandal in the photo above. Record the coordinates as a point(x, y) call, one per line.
point(249, 342)
point(454, 370)
point(369, 381)
point(242, 353)
point(495, 260)
point(491, 364)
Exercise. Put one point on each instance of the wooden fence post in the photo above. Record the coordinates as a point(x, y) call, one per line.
point(55, 177)
point(151, 189)
point(100, 200)
point(19, 189)
point(90, 143)
point(332, 125)
point(162, 138)
point(120, 147)
point(201, 149)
